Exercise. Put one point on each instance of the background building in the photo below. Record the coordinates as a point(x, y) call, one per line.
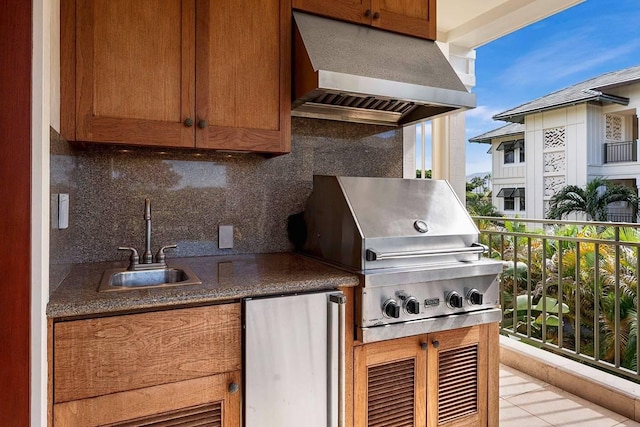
point(564, 138)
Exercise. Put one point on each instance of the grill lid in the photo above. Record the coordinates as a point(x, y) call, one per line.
point(367, 223)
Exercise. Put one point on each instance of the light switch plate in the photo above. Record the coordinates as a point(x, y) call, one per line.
point(225, 236)
point(63, 211)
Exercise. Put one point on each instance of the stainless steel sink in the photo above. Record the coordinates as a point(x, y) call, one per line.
point(120, 279)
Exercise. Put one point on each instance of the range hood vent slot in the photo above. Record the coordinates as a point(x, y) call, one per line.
point(349, 72)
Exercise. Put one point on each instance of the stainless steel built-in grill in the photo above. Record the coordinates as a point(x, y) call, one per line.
point(415, 248)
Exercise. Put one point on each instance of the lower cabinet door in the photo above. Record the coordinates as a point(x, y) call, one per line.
point(211, 401)
point(457, 378)
point(389, 379)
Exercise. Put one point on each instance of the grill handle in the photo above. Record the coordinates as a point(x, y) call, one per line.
point(475, 248)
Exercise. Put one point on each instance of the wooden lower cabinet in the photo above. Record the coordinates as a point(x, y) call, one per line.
point(439, 379)
point(157, 368)
point(390, 383)
point(211, 401)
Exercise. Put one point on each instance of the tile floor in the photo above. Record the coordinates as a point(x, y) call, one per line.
point(528, 402)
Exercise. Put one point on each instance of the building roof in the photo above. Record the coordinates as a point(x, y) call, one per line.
point(507, 130)
point(591, 90)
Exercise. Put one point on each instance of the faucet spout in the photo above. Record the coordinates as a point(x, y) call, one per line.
point(147, 257)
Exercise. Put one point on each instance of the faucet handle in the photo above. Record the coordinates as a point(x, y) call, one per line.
point(160, 255)
point(133, 259)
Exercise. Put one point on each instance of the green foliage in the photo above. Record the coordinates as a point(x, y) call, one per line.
point(591, 200)
point(479, 198)
point(539, 313)
point(580, 277)
point(427, 173)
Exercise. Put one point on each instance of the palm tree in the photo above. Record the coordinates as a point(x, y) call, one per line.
point(592, 200)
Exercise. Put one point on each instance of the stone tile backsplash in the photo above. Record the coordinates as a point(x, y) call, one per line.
point(193, 192)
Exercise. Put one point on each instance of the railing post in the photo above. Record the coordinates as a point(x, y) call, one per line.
point(576, 332)
point(617, 298)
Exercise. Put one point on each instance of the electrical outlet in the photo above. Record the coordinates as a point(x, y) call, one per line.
point(225, 236)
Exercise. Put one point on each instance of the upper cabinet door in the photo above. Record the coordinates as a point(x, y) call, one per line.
point(347, 10)
point(412, 17)
point(243, 57)
point(135, 74)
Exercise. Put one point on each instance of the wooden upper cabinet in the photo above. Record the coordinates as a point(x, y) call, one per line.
point(187, 74)
point(346, 10)
point(411, 17)
point(128, 71)
point(243, 75)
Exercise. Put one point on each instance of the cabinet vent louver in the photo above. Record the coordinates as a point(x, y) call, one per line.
point(457, 383)
point(391, 394)
point(209, 415)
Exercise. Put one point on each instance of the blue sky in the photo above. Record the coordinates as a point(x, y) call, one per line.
point(592, 38)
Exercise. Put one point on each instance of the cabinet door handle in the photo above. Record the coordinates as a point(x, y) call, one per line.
point(202, 124)
point(367, 13)
point(435, 343)
point(233, 388)
point(188, 122)
point(376, 15)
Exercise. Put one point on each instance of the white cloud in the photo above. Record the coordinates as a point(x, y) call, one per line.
point(483, 113)
point(563, 56)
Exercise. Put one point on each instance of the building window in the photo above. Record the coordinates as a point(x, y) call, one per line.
point(519, 144)
point(509, 204)
point(512, 197)
point(513, 151)
point(509, 155)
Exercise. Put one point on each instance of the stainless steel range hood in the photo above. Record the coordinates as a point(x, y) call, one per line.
point(355, 73)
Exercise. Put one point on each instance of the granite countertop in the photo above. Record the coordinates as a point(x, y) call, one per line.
point(224, 278)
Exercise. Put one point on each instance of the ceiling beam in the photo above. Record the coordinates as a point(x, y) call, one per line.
point(499, 21)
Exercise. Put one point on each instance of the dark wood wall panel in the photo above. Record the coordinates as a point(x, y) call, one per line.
point(15, 194)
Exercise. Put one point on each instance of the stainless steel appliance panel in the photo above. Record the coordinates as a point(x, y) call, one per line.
point(293, 359)
point(400, 222)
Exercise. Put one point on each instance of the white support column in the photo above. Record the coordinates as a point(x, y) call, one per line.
point(409, 150)
point(448, 142)
point(40, 120)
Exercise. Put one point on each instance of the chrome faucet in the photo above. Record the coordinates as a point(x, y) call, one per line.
point(147, 257)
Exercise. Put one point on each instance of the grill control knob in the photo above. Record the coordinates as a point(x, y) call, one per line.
point(474, 297)
point(412, 305)
point(454, 300)
point(390, 308)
